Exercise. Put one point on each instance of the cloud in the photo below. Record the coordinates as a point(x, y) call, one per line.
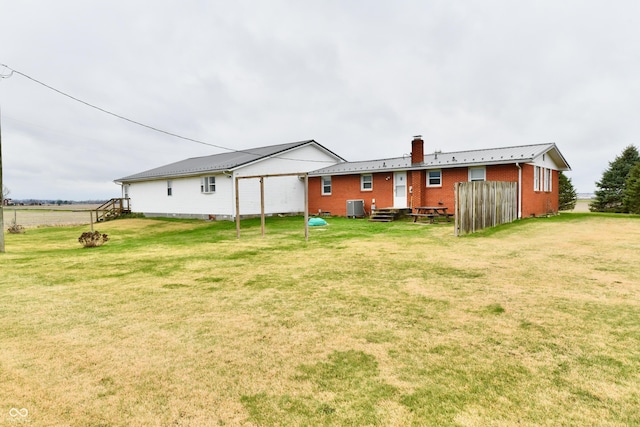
point(359, 77)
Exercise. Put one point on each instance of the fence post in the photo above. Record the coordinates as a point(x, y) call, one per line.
point(455, 209)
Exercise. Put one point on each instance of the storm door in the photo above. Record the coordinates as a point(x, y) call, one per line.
point(400, 189)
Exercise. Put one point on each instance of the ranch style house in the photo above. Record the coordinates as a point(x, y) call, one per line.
point(428, 179)
point(205, 187)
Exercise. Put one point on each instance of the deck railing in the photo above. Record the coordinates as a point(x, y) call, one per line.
point(112, 209)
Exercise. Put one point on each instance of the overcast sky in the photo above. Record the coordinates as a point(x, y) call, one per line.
point(359, 77)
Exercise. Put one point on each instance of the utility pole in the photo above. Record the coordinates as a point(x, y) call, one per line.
point(2, 76)
point(1, 192)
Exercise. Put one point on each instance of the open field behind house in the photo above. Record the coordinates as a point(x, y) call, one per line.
point(176, 322)
point(48, 215)
point(582, 205)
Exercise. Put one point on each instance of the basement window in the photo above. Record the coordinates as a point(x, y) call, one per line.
point(208, 184)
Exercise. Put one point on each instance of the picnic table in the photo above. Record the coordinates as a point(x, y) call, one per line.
point(430, 212)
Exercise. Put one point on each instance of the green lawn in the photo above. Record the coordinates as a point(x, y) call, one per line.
point(177, 322)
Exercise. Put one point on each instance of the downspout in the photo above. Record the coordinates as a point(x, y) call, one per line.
point(519, 190)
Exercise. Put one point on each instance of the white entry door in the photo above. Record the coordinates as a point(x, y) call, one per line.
point(399, 189)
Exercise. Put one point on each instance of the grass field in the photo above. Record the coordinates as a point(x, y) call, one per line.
point(178, 323)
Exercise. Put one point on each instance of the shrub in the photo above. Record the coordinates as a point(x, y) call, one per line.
point(92, 239)
point(130, 215)
point(15, 228)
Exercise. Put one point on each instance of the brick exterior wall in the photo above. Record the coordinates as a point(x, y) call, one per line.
point(347, 187)
point(417, 190)
point(538, 202)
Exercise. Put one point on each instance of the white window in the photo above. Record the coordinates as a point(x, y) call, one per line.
point(366, 182)
point(208, 184)
point(326, 185)
point(169, 188)
point(542, 179)
point(477, 174)
point(548, 174)
point(434, 178)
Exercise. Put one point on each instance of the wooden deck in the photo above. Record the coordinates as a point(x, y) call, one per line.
point(112, 209)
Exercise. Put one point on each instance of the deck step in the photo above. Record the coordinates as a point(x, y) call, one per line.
point(387, 214)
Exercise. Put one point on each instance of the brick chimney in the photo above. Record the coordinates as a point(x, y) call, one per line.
point(417, 150)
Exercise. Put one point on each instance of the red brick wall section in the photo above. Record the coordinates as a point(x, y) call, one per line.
point(416, 182)
point(347, 187)
point(538, 202)
point(504, 173)
point(417, 150)
point(444, 195)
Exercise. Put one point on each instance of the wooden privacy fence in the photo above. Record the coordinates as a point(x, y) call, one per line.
point(484, 204)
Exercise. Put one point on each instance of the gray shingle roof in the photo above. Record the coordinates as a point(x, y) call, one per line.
point(216, 162)
point(492, 156)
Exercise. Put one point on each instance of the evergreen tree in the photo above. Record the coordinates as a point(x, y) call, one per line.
point(632, 190)
point(568, 196)
point(609, 197)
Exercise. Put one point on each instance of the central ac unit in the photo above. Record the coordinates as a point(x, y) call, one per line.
point(355, 208)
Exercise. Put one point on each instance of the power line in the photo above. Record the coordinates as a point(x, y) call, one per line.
point(112, 113)
point(88, 104)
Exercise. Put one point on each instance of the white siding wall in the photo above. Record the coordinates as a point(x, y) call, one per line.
point(545, 161)
point(151, 197)
point(282, 194)
point(303, 159)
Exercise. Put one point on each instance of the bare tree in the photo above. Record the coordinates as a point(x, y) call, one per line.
point(5, 192)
